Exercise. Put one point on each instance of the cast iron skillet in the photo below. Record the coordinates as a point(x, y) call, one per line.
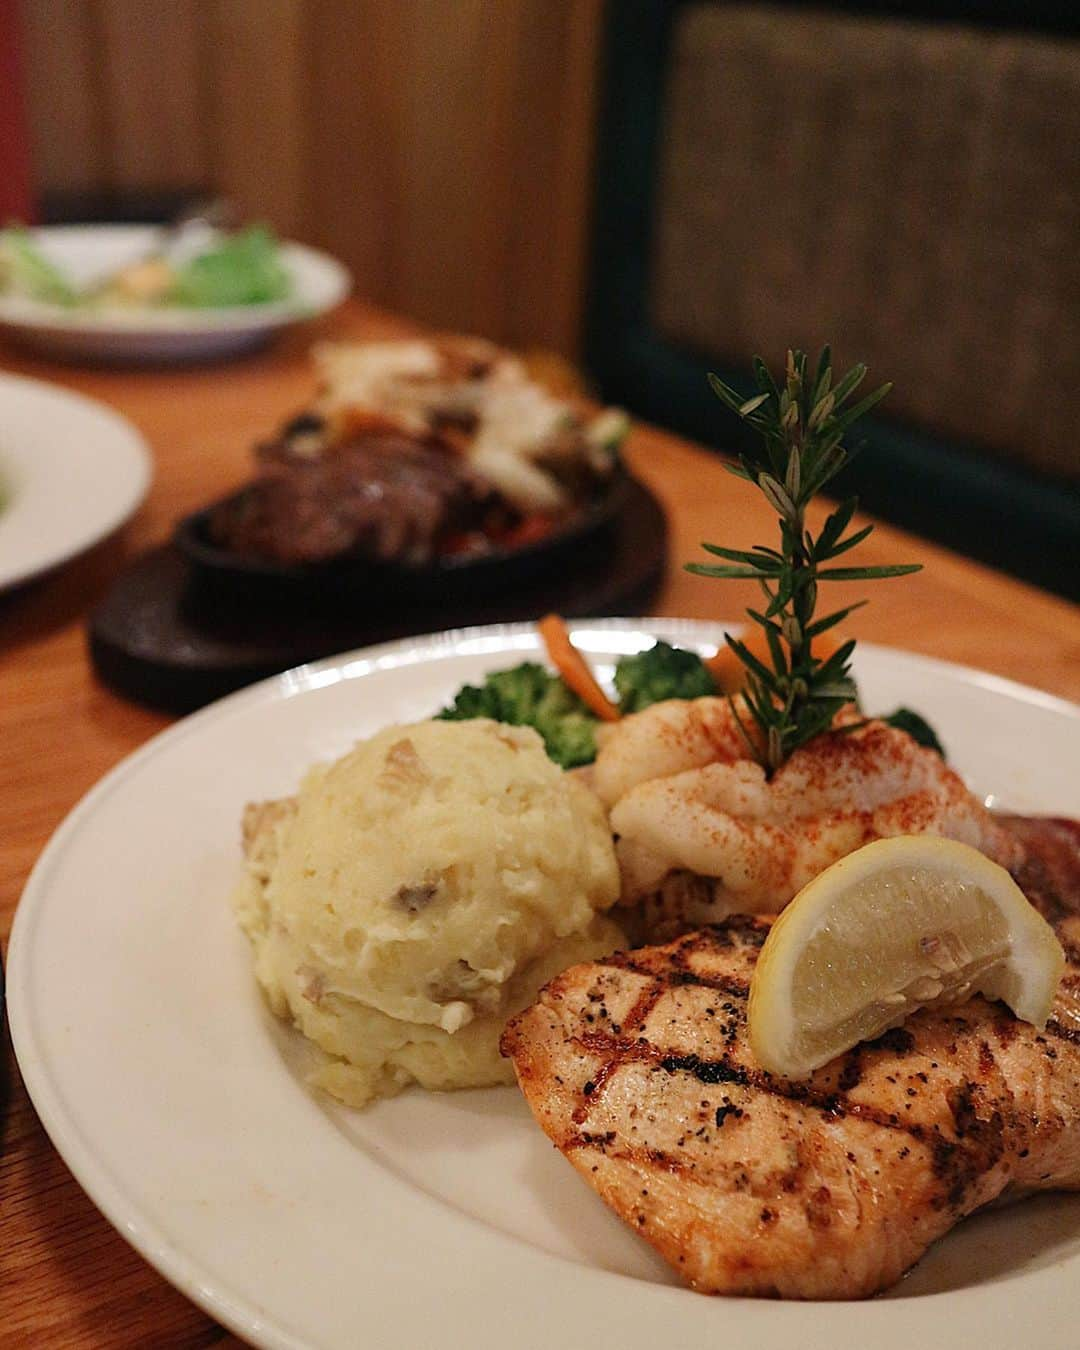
point(451, 576)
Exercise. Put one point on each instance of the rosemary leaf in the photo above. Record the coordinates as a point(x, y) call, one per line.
point(834, 665)
point(867, 573)
point(844, 544)
point(835, 526)
point(725, 392)
point(820, 626)
point(749, 660)
point(802, 423)
point(853, 414)
point(849, 383)
point(763, 376)
point(764, 562)
point(765, 622)
point(742, 728)
point(776, 650)
point(709, 570)
point(823, 378)
point(841, 689)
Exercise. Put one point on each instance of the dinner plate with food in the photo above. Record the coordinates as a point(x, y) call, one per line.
point(158, 293)
point(71, 471)
point(429, 461)
point(426, 483)
point(307, 988)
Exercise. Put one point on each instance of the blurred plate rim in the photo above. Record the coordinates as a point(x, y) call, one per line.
point(119, 447)
point(328, 281)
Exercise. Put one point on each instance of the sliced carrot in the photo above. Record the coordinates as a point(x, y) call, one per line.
point(728, 671)
point(570, 664)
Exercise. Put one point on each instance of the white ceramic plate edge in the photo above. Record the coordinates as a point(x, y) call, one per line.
point(17, 312)
point(147, 1236)
point(139, 467)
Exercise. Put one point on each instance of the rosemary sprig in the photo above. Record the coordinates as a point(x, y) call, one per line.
point(802, 426)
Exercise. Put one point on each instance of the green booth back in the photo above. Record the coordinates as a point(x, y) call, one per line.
point(905, 186)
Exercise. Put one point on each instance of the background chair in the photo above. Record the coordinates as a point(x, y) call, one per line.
point(900, 180)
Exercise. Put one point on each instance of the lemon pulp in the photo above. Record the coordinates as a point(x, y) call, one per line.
point(902, 924)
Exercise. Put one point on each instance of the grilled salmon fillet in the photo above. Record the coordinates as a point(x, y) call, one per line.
point(639, 1069)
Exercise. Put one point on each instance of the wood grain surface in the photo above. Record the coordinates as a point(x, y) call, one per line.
point(442, 151)
point(66, 1278)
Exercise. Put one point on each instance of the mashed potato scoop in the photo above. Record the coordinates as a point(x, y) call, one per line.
point(416, 893)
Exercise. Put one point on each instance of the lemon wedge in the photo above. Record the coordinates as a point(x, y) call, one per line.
point(902, 924)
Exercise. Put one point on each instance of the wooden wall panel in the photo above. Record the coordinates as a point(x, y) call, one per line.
point(155, 99)
point(457, 108)
point(555, 110)
point(64, 95)
point(410, 186)
point(355, 161)
point(458, 184)
point(254, 55)
point(441, 148)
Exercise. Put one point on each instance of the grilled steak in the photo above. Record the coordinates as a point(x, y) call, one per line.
point(640, 1071)
point(382, 494)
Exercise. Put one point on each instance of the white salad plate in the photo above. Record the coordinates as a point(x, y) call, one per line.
point(71, 471)
point(87, 253)
point(431, 1219)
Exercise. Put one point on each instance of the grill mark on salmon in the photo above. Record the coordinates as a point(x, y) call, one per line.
point(1070, 1034)
point(724, 984)
point(836, 1104)
point(638, 1068)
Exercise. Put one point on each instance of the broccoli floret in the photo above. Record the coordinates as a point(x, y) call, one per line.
point(471, 702)
point(506, 696)
point(566, 724)
point(661, 672)
point(570, 740)
point(519, 693)
point(918, 728)
point(528, 696)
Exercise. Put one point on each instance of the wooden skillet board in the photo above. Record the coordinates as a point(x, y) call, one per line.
point(169, 639)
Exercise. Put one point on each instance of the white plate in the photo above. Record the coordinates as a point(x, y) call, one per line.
point(430, 1220)
point(88, 252)
point(71, 471)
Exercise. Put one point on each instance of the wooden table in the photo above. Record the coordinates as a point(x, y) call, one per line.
point(66, 1277)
